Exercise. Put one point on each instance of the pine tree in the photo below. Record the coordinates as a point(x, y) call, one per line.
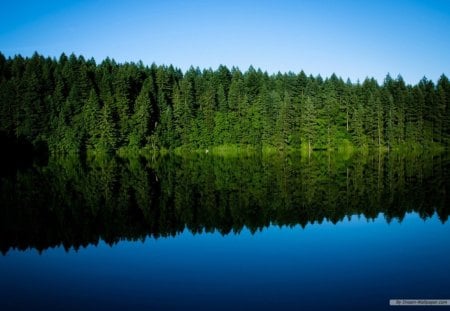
point(107, 137)
point(443, 89)
point(91, 115)
point(207, 101)
point(183, 102)
point(419, 102)
point(358, 133)
point(141, 119)
point(285, 122)
point(443, 108)
point(309, 123)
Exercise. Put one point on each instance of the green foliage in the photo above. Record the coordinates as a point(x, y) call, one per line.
point(107, 137)
point(76, 105)
point(90, 114)
point(141, 119)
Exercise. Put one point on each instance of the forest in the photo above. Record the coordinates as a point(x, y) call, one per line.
point(74, 106)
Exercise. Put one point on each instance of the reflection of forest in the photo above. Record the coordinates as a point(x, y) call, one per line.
point(76, 204)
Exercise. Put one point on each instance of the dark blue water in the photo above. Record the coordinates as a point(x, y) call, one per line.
point(354, 264)
point(222, 234)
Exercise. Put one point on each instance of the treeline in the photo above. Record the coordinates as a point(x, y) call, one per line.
point(75, 204)
point(77, 106)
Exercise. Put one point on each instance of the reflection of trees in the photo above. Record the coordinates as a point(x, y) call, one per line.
point(74, 204)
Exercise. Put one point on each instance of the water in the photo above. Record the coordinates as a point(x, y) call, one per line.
point(205, 233)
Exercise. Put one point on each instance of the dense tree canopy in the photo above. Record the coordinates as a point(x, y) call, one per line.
point(75, 105)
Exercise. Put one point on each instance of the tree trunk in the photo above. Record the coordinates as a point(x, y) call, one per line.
point(347, 119)
point(309, 148)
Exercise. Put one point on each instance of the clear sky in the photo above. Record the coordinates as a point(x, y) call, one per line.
point(354, 39)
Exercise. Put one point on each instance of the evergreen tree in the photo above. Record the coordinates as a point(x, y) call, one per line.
point(183, 101)
point(107, 137)
point(309, 123)
point(75, 105)
point(91, 115)
point(443, 89)
point(141, 119)
point(285, 122)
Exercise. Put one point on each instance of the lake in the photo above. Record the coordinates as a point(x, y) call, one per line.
point(212, 233)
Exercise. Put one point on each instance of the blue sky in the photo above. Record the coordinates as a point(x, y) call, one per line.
point(354, 39)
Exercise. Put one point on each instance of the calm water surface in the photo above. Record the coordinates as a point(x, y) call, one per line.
point(207, 233)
